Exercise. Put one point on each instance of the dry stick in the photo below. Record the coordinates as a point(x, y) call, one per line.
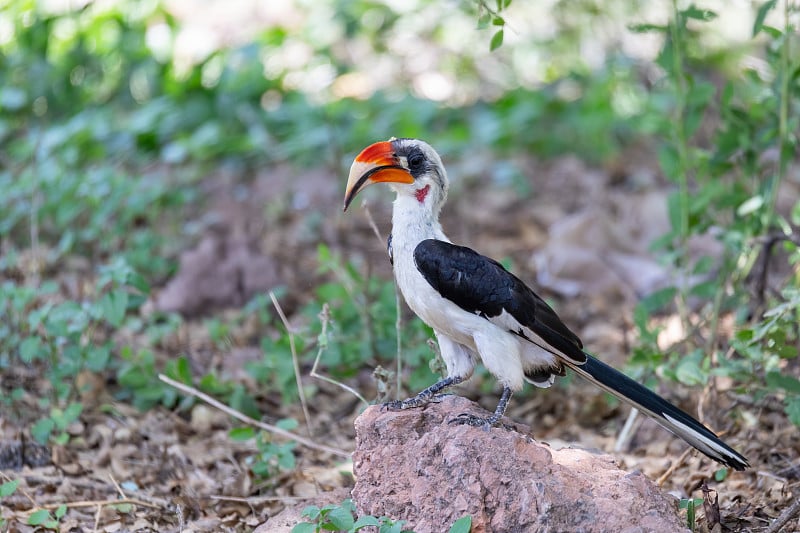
point(325, 317)
point(93, 503)
point(97, 518)
point(116, 486)
point(626, 432)
point(665, 476)
point(255, 500)
point(295, 363)
point(784, 517)
point(308, 443)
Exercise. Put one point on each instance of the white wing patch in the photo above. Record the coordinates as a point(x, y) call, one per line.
point(507, 322)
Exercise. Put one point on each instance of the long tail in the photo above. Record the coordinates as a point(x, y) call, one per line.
point(667, 415)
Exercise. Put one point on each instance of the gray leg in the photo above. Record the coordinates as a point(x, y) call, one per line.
point(477, 421)
point(425, 396)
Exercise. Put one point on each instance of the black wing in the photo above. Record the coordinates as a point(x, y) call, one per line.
point(482, 286)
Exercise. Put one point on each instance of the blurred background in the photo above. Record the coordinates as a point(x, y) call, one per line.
point(171, 182)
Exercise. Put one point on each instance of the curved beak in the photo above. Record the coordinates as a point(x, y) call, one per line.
point(375, 164)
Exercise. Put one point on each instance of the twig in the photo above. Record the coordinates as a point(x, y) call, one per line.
point(295, 363)
point(255, 500)
point(789, 513)
point(325, 317)
point(625, 434)
point(97, 518)
point(371, 222)
point(398, 325)
point(768, 241)
point(93, 503)
point(308, 443)
point(116, 486)
point(673, 467)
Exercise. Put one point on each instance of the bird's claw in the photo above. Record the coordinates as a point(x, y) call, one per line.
point(393, 405)
point(410, 403)
point(474, 421)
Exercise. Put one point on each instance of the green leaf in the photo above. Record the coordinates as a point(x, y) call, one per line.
point(124, 508)
point(341, 518)
point(793, 410)
point(705, 289)
point(776, 380)
point(38, 518)
point(763, 9)
point(658, 300)
point(669, 161)
point(720, 475)
point(8, 488)
point(694, 12)
point(795, 215)
point(30, 349)
point(60, 511)
point(97, 357)
point(497, 41)
point(364, 521)
point(42, 429)
point(113, 305)
point(689, 370)
point(311, 511)
point(751, 205)
point(241, 434)
point(304, 527)
point(287, 423)
point(182, 371)
point(647, 28)
point(462, 525)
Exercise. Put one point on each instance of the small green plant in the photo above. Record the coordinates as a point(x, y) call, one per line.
point(691, 505)
point(7, 489)
point(46, 519)
point(57, 421)
point(342, 517)
point(272, 458)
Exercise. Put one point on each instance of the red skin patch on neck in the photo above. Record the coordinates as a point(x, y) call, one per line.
point(422, 193)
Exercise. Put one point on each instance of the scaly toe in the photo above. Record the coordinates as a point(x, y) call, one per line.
point(394, 405)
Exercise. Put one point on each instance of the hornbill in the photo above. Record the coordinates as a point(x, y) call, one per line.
point(479, 310)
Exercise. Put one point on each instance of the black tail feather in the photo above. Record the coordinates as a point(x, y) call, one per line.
point(667, 415)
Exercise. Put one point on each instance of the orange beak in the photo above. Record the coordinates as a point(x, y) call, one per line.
point(375, 164)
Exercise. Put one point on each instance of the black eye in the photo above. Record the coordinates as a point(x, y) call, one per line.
point(415, 160)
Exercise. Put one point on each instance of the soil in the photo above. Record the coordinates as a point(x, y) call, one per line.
point(178, 469)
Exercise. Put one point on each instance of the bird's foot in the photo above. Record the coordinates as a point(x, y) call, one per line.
point(476, 421)
point(410, 403)
point(486, 423)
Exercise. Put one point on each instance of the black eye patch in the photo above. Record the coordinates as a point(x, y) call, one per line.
point(416, 161)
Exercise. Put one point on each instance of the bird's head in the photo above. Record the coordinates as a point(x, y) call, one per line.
point(410, 166)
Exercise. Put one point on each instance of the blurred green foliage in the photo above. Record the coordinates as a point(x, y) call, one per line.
point(105, 137)
point(727, 186)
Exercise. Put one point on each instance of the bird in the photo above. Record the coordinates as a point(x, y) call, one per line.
point(481, 312)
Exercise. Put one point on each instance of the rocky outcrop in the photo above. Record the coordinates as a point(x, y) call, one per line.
point(415, 465)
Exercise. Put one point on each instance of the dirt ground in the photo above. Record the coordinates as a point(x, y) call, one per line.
point(581, 236)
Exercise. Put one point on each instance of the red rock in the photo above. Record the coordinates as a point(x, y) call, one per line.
point(414, 465)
